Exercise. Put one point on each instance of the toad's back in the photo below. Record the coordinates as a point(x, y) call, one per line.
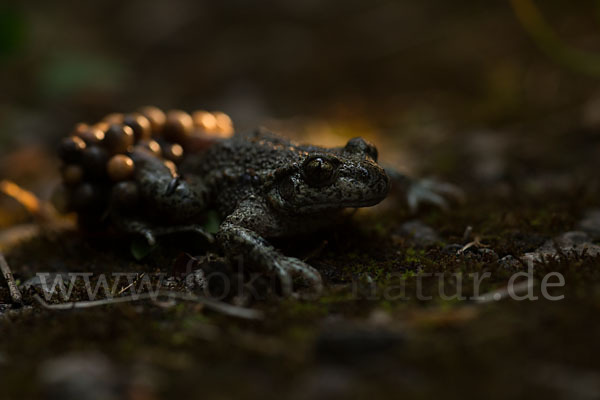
point(240, 166)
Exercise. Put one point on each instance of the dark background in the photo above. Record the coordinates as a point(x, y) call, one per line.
point(409, 75)
point(378, 63)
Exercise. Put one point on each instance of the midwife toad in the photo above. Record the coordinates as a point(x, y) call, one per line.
point(263, 186)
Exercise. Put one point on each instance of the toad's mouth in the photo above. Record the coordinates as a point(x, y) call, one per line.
point(365, 202)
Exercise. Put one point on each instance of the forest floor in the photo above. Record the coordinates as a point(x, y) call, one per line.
point(382, 325)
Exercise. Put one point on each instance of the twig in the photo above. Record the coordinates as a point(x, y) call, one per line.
point(316, 251)
point(15, 294)
point(218, 306)
point(477, 243)
point(131, 284)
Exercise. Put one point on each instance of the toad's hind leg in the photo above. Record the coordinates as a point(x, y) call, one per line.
point(152, 232)
point(166, 204)
point(166, 196)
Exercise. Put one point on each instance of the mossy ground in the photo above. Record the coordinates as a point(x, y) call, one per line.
point(416, 348)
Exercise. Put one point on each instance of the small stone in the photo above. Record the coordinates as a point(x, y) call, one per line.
point(196, 280)
point(420, 233)
point(379, 317)
point(573, 238)
point(569, 243)
point(488, 255)
point(171, 283)
point(120, 168)
point(510, 263)
point(80, 376)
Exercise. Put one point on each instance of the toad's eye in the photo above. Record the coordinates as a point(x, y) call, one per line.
point(320, 171)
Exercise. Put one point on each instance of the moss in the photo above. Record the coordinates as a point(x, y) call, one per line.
point(446, 340)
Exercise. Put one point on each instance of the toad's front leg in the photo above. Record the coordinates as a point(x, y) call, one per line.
point(241, 234)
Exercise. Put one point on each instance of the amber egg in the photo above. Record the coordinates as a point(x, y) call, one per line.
point(71, 148)
point(114, 118)
point(156, 117)
point(152, 146)
point(224, 124)
point(86, 197)
point(172, 167)
point(204, 121)
point(173, 152)
point(142, 129)
point(72, 174)
point(79, 128)
point(120, 167)
point(102, 125)
point(118, 138)
point(178, 126)
point(94, 160)
point(92, 135)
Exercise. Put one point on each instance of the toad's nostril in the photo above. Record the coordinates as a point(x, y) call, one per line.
point(360, 146)
point(356, 145)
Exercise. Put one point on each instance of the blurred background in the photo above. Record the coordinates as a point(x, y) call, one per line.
point(476, 91)
point(382, 66)
point(387, 68)
point(482, 90)
point(468, 91)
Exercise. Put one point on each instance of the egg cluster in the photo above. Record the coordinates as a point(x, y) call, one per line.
point(97, 158)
